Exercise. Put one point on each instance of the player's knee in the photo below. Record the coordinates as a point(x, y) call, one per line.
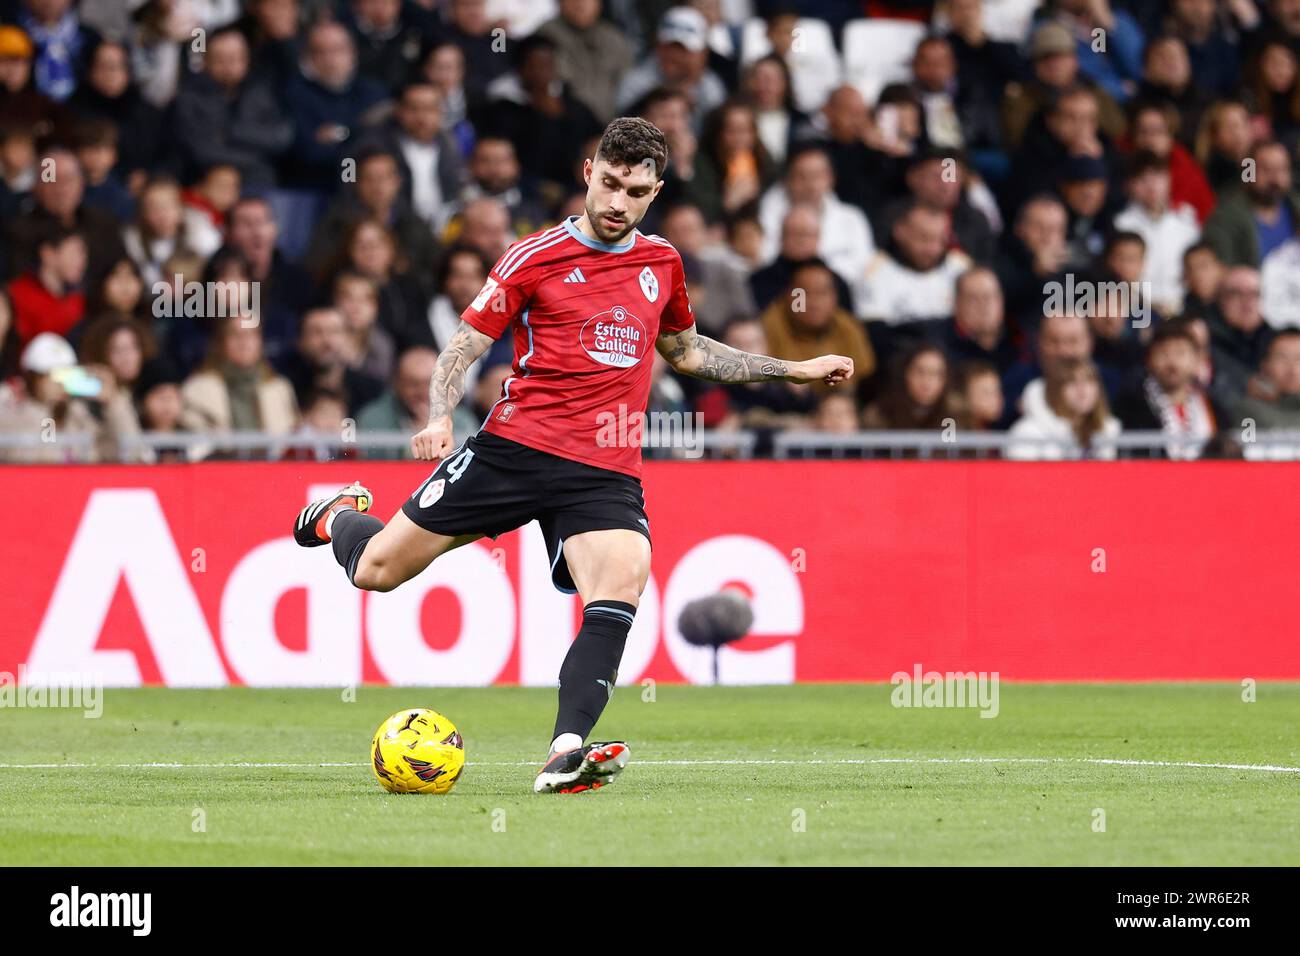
point(374, 575)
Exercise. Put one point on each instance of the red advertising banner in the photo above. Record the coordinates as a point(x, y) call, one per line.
point(187, 575)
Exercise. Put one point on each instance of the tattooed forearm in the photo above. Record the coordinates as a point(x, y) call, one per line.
point(703, 357)
point(448, 382)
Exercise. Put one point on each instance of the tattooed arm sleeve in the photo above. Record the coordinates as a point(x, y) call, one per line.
point(693, 354)
point(448, 382)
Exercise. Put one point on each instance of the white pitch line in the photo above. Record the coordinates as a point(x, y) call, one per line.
point(1100, 761)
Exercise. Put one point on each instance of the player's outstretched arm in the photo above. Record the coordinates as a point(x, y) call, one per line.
point(445, 390)
point(691, 353)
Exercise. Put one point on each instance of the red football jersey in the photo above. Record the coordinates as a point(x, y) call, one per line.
point(585, 316)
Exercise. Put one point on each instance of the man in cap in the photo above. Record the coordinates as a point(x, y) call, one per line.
point(680, 61)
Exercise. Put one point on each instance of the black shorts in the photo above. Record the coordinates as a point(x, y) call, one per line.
point(491, 485)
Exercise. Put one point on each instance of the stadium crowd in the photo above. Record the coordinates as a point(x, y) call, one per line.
point(1061, 220)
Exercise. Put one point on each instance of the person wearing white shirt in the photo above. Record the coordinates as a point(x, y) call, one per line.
point(846, 243)
point(1167, 230)
point(915, 278)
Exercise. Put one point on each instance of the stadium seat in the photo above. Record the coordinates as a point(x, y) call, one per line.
point(879, 52)
point(814, 62)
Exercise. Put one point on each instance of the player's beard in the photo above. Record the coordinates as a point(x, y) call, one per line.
point(601, 228)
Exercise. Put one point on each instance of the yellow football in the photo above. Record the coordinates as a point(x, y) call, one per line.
point(417, 751)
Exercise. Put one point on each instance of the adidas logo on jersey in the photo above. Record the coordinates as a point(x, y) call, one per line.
point(575, 276)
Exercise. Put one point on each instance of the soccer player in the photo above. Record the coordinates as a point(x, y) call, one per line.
point(586, 299)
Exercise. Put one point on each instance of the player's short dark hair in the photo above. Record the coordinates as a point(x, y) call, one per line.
point(629, 140)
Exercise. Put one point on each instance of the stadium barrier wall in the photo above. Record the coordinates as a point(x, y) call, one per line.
point(186, 575)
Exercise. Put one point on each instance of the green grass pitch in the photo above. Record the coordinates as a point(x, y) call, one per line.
point(814, 774)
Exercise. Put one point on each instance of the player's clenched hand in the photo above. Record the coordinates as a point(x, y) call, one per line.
point(825, 368)
point(434, 441)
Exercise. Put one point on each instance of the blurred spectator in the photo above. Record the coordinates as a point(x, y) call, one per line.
point(722, 294)
point(495, 174)
point(320, 362)
point(808, 322)
point(327, 103)
point(937, 178)
point(1033, 253)
point(370, 248)
point(119, 344)
point(432, 171)
point(389, 36)
point(1273, 89)
point(376, 195)
point(460, 277)
point(1166, 230)
point(444, 67)
point(142, 138)
point(214, 194)
point(732, 167)
point(916, 395)
point(801, 233)
point(532, 109)
point(1250, 223)
point(679, 62)
point(1063, 335)
point(1211, 46)
point(159, 408)
point(1067, 132)
point(1239, 336)
point(56, 200)
point(845, 241)
point(325, 430)
point(977, 330)
point(223, 115)
point(836, 414)
point(977, 401)
point(96, 146)
point(17, 170)
point(912, 278)
point(61, 42)
point(371, 349)
point(863, 174)
point(164, 228)
point(1202, 271)
point(119, 293)
point(957, 116)
point(1083, 185)
point(1066, 417)
point(670, 110)
point(1281, 376)
point(56, 400)
point(768, 90)
point(468, 26)
point(984, 68)
point(1223, 144)
point(236, 389)
point(483, 225)
point(1167, 81)
point(21, 102)
point(1169, 397)
point(1152, 129)
point(1055, 65)
point(49, 298)
point(404, 406)
point(284, 289)
point(1118, 64)
point(592, 54)
point(271, 29)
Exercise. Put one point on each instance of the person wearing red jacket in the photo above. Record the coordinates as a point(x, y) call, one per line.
point(49, 298)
